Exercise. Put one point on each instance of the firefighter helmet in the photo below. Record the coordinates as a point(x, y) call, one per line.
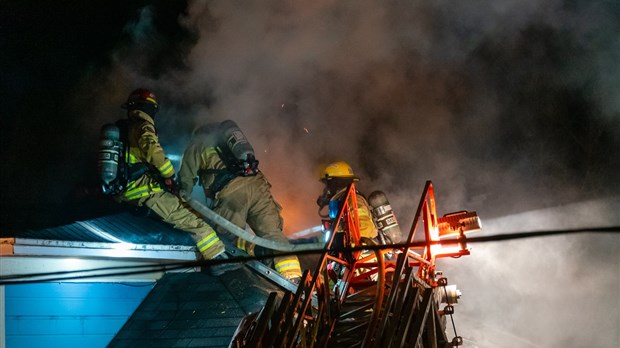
point(140, 96)
point(338, 169)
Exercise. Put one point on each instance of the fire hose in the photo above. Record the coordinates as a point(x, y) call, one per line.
point(241, 233)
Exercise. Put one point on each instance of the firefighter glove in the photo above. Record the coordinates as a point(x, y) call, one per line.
point(171, 186)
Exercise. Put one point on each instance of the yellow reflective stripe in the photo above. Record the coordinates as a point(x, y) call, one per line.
point(246, 246)
point(287, 266)
point(132, 192)
point(137, 193)
point(151, 100)
point(166, 169)
point(241, 243)
point(210, 150)
point(140, 192)
point(132, 159)
point(132, 155)
point(207, 242)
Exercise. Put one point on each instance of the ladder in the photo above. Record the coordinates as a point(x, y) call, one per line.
point(367, 295)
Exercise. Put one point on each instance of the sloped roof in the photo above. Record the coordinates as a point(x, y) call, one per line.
point(195, 310)
point(185, 308)
point(92, 249)
point(123, 227)
point(122, 236)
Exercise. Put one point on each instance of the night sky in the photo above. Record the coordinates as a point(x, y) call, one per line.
point(52, 58)
point(511, 108)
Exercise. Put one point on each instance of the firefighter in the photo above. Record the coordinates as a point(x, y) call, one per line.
point(378, 224)
point(337, 177)
point(222, 161)
point(150, 178)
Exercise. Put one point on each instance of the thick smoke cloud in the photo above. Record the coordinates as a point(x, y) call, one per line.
point(512, 99)
point(509, 107)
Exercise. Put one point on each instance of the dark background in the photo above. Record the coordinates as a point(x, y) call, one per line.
point(511, 108)
point(47, 49)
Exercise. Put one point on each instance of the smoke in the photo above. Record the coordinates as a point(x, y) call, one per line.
point(498, 99)
point(506, 106)
point(542, 292)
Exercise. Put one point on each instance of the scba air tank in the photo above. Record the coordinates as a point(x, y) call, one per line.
point(109, 153)
point(384, 217)
point(236, 141)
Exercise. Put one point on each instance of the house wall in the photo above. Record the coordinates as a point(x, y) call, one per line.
point(69, 314)
point(2, 326)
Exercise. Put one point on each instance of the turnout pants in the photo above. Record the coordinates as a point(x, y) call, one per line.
point(248, 200)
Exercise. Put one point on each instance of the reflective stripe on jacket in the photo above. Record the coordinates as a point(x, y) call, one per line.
point(144, 147)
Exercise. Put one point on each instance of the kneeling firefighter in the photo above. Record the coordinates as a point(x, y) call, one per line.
point(135, 171)
point(222, 160)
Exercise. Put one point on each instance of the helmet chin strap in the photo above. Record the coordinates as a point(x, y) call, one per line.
point(324, 198)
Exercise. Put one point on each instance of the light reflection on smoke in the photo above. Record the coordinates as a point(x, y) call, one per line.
point(559, 291)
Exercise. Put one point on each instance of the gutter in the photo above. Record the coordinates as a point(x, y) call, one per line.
point(44, 247)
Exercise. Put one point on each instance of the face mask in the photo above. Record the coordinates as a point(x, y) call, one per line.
point(323, 199)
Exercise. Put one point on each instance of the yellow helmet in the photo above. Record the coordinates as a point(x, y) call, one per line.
point(338, 169)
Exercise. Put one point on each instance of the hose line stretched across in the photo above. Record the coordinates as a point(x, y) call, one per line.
point(241, 233)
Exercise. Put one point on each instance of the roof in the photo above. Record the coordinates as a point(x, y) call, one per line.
point(186, 308)
point(121, 240)
point(123, 227)
point(195, 310)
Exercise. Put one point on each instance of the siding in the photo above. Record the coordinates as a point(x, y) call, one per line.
point(69, 314)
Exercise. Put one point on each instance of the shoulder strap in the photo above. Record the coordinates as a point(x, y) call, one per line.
point(222, 176)
point(123, 127)
point(231, 163)
point(131, 172)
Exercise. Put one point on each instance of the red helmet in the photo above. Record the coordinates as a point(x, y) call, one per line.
point(140, 96)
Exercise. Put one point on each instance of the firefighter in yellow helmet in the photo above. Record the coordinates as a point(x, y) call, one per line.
point(222, 160)
point(337, 177)
point(150, 177)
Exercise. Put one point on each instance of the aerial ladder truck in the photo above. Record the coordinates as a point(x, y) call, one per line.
point(363, 295)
